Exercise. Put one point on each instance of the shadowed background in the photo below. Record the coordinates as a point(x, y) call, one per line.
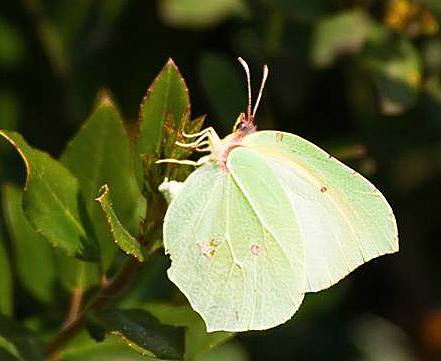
point(360, 78)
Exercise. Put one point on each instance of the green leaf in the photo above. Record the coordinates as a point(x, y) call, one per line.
point(11, 44)
point(379, 339)
point(99, 154)
point(197, 340)
point(166, 103)
point(397, 72)
point(217, 73)
point(332, 38)
point(229, 351)
point(200, 13)
point(7, 350)
point(19, 342)
point(83, 348)
point(6, 355)
point(29, 248)
point(125, 241)
point(143, 332)
point(51, 200)
point(75, 274)
point(6, 295)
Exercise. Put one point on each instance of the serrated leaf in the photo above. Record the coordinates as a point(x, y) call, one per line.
point(125, 241)
point(98, 154)
point(6, 295)
point(168, 94)
point(143, 332)
point(51, 201)
point(19, 342)
point(197, 340)
point(29, 248)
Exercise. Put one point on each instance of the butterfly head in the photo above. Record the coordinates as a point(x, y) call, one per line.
point(244, 124)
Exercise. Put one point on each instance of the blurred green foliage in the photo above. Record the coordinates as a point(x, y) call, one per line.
point(360, 77)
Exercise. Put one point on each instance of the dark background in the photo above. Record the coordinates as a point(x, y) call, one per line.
point(359, 78)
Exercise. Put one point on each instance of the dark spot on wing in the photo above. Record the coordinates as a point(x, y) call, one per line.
point(255, 249)
point(323, 189)
point(279, 137)
point(209, 248)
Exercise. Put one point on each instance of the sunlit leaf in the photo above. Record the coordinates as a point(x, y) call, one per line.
point(332, 38)
point(29, 248)
point(397, 72)
point(83, 348)
point(199, 13)
point(410, 18)
point(98, 154)
point(125, 241)
point(379, 339)
point(51, 200)
point(165, 104)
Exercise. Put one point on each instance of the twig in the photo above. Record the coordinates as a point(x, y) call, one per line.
point(75, 306)
point(108, 291)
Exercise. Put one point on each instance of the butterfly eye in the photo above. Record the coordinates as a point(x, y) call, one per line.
point(242, 126)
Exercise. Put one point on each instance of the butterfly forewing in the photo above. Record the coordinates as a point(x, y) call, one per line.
point(344, 220)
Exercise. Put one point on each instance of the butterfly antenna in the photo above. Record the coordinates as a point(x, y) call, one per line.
point(247, 72)
point(262, 86)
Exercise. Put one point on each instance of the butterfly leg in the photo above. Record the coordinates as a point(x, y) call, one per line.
point(206, 140)
point(202, 132)
point(197, 163)
point(207, 137)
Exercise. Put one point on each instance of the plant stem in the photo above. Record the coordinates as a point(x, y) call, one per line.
point(75, 306)
point(108, 291)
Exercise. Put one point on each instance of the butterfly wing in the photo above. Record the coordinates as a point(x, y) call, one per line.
point(343, 219)
point(229, 261)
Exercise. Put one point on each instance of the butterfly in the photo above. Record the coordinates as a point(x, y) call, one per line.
point(265, 218)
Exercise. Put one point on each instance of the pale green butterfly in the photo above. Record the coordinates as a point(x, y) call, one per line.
point(266, 217)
